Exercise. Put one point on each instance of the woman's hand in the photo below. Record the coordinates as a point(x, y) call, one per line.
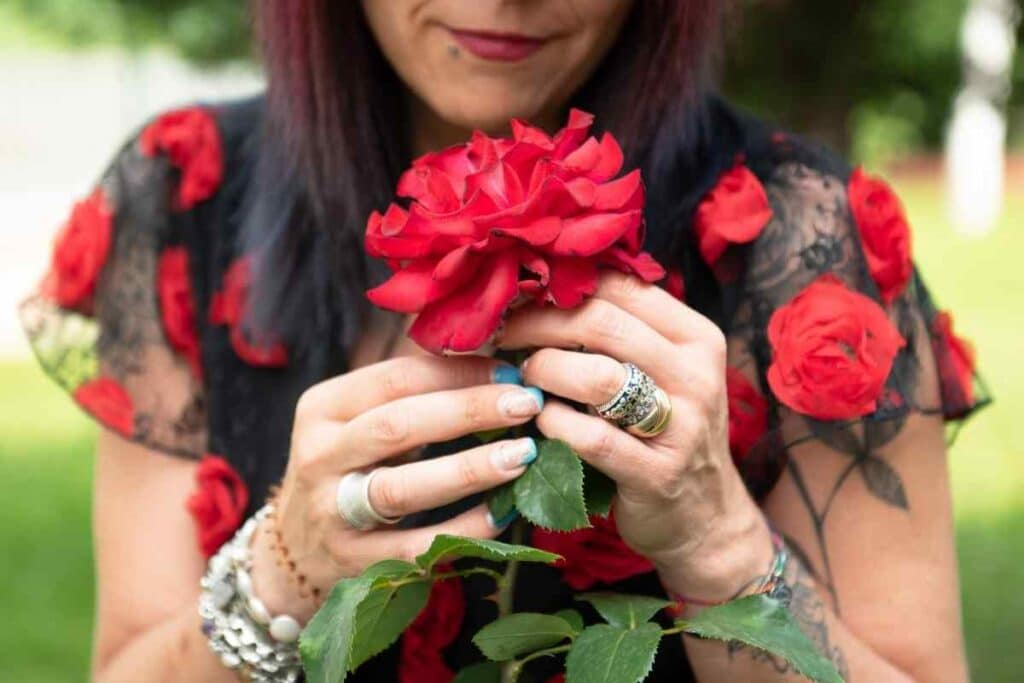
point(680, 500)
point(365, 420)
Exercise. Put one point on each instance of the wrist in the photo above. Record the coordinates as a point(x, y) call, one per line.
point(272, 581)
point(723, 562)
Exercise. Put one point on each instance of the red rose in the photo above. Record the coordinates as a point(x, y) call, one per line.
point(833, 349)
point(217, 504)
point(884, 232)
point(108, 402)
point(734, 212)
point(191, 140)
point(229, 307)
point(748, 413)
point(177, 307)
point(498, 219)
point(955, 358)
point(594, 555)
point(557, 678)
point(675, 285)
point(80, 251)
point(434, 629)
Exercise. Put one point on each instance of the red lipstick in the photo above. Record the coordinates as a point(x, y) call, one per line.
point(500, 47)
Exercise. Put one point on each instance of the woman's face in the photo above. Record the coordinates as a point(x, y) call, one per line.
point(478, 63)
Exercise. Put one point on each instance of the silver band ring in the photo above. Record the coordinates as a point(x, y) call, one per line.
point(353, 501)
point(639, 406)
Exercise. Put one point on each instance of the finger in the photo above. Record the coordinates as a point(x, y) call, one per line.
point(414, 421)
point(408, 543)
point(348, 395)
point(663, 312)
point(428, 484)
point(598, 326)
point(589, 378)
point(621, 456)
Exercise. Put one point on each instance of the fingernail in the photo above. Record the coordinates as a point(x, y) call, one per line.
point(538, 396)
point(514, 454)
point(521, 402)
point(506, 374)
point(504, 521)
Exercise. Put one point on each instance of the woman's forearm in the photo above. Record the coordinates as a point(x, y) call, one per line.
point(855, 660)
point(173, 650)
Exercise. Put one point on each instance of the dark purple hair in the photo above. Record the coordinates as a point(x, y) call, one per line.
point(331, 150)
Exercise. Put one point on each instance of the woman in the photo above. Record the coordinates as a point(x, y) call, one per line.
point(206, 305)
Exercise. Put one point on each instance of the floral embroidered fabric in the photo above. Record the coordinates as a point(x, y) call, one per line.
point(832, 336)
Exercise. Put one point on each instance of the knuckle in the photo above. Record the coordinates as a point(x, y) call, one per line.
point(605, 321)
point(716, 345)
point(606, 377)
point(390, 425)
point(623, 285)
point(396, 380)
point(601, 444)
point(467, 474)
point(307, 402)
point(389, 494)
point(475, 410)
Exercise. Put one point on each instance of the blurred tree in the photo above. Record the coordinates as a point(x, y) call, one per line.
point(875, 77)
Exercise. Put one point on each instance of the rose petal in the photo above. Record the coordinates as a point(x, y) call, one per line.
point(467, 319)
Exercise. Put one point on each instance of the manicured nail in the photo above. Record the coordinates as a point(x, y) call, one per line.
point(506, 374)
point(504, 521)
point(514, 454)
point(521, 402)
point(538, 396)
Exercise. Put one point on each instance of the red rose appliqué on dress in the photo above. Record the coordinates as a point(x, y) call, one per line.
point(191, 140)
point(434, 629)
point(955, 358)
point(80, 251)
point(217, 504)
point(594, 555)
point(748, 413)
point(495, 220)
point(177, 307)
point(229, 307)
point(108, 402)
point(734, 212)
point(833, 349)
point(884, 233)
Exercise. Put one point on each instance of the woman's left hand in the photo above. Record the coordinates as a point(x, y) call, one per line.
point(680, 499)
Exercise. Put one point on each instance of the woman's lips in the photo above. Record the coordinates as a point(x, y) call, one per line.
point(501, 47)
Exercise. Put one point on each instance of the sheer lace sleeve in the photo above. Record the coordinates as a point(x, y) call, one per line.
point(113, 321)
point(833, 335)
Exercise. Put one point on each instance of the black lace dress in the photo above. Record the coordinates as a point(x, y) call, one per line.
point(140, 318)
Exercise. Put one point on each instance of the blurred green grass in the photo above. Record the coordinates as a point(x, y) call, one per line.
point(46, 470)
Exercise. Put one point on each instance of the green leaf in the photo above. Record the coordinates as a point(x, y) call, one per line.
point(502, 501)
point(326, 642)
point(383, 615)
point(624, 611)
point(489, 435)
point(574, 618)
point(484, 672)
point(521, 633)
point(598, 490)
point(550, 492)
point(609, 654)
point(764, 623)
point(459, 546)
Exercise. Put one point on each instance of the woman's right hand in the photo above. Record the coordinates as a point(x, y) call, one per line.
point(363, 420)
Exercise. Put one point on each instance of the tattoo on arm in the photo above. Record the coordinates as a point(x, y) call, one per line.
point(811, 614)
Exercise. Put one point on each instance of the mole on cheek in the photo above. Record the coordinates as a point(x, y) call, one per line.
point(453, 51)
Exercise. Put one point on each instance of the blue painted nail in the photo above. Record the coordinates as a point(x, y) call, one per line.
point(531, 454)
point(538, 396)
point(507, 519)
point(506, 374)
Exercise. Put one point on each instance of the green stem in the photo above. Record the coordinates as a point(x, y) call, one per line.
point(506, 592)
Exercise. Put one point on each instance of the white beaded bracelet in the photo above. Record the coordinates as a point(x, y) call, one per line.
point(239, 628)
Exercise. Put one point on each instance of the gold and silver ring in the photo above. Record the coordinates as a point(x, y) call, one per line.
point(640, 406)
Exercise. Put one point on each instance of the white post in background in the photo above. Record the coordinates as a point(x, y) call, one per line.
point(976, 142)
